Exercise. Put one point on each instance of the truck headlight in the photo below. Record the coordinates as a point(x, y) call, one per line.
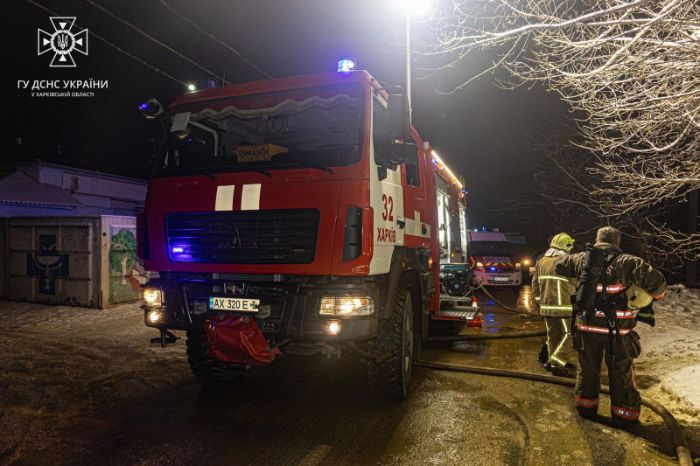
point(334, 327)
point(153, 296)
point(346, 306)
point(153, 317)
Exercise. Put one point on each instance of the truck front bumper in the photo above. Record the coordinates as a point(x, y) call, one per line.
point(289, 307)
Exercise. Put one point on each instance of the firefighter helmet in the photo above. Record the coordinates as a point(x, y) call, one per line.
point(637, 298)
point(562, 241)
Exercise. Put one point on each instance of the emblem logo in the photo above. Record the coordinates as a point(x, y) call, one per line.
point(234, 288)
point(47, 264)
point(62, 41)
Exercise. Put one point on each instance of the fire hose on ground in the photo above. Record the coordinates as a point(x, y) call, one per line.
point(682, 451)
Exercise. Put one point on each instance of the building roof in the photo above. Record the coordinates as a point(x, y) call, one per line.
point(19, 189)
point(95, 173)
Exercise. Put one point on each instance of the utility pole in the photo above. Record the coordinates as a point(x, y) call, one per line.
point(691, 264)
point(408, 65)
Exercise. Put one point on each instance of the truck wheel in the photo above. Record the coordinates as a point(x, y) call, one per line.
point(389, 376)
point(203, 365)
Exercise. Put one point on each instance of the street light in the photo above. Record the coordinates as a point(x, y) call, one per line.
point(415, 7)
point(418, 8)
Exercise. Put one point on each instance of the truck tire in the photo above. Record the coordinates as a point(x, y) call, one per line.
point(389, 375)
point(203, 365)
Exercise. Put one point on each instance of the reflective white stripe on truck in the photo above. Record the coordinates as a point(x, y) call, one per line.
point(250, 197)
point(224, 197)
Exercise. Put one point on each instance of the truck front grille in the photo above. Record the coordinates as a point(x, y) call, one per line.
point(243, 237)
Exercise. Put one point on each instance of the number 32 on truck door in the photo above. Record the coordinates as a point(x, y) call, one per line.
point(388, 212)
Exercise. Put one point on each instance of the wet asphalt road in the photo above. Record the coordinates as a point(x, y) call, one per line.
point(315, 411)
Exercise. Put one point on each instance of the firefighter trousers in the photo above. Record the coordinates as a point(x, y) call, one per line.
point(558, 342)
point(624, 397)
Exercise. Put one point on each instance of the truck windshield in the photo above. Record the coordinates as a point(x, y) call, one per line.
point(491, 249)
point(316, 128)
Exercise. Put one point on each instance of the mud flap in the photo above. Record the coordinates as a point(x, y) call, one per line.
point(238, 340)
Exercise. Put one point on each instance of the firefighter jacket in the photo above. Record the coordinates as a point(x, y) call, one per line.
point(551, 291)
point(623, 271)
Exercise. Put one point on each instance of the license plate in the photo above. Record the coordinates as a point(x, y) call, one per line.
point(501, 279)
point(233, 304)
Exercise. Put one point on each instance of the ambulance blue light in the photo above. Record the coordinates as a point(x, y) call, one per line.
point(178, 250)
point(346, 65)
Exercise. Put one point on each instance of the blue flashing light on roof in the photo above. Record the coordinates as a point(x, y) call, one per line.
point(346, 65)
point(151, 108)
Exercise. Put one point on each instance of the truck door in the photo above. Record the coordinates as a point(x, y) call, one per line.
point(417, 216)
point(386, 199)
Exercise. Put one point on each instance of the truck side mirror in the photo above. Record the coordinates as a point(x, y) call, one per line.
point(397, 117)
point(396, 146)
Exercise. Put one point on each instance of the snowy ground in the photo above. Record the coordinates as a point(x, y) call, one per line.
point(60, 364)
point(62, 367)
point(668, 369)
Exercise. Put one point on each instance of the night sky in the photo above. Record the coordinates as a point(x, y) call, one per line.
point(483, 132)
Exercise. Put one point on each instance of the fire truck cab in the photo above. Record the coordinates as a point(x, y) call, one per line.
point(297, 215)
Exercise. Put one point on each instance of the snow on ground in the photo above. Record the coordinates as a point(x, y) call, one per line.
point(668, 369)
point(60, 365)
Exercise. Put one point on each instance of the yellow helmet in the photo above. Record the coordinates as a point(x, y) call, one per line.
point(637, 298)
point(562, 241)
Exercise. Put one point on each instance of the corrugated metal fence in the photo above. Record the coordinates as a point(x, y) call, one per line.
point(79, 261)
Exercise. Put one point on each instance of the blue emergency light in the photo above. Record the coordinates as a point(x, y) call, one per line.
point(346, 65)
point(151, 108)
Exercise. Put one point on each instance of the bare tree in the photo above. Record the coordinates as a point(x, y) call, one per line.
point(632, 67)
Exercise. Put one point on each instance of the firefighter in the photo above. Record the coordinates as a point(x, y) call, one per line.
point(605, 322)
point(553, 294)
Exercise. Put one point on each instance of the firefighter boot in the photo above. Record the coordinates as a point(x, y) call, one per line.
point(555, 370)
point(587, 413)
point(621, 423)
point(543, 356)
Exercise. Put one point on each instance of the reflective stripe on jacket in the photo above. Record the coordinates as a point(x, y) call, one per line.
point(552, 292)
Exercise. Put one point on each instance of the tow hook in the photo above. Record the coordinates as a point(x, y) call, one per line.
point(165, 338)
point(330, 351)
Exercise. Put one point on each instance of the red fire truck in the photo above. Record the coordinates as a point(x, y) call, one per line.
point(299, 215)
